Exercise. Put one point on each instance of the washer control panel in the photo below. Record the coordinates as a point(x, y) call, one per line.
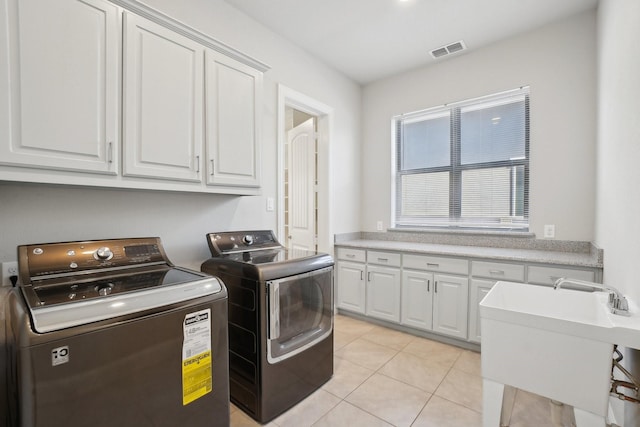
point(65, 258)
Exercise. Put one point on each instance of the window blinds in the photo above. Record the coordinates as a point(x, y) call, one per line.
point(464, 164)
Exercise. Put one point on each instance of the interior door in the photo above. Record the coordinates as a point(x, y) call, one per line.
point(301, 186)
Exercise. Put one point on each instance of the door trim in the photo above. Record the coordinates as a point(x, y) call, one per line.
point(324, 115)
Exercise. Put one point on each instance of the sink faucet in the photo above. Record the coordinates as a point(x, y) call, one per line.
point(617, 302)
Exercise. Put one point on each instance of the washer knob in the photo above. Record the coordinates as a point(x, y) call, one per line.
point(103, 253)
point(104, 290)
point(248, 240)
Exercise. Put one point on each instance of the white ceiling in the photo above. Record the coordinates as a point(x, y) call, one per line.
point(371, 39)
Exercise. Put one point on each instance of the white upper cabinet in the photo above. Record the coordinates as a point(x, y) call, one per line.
point(233, 100)
point(163, 90)
point(59, 68)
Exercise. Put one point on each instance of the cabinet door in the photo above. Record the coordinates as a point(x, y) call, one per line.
point(163, 90)
point(383, 293)
point(417, 299)
point(59, 67)
point(351, 286)
point(479, 289)
point(450, 300)
point(232, 121)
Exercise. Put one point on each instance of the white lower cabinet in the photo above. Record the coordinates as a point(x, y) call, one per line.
point(417, 299)
point(450, 298)
point(435, 302)
point(351, 286)
point(439, 294)
point(383, 292)
point(479, 289)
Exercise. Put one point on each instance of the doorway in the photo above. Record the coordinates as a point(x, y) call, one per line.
point(304, 220)
point(300, 181)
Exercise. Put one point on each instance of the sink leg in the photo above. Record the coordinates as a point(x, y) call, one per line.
point(588, 419)
point(507, 405)
point(492, 393)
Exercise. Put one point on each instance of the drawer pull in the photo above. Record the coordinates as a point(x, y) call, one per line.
point(434, 265)
point(497, 272)
point(383, 259)
point(350, 255)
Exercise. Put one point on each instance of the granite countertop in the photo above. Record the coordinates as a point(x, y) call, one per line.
point(591, 258)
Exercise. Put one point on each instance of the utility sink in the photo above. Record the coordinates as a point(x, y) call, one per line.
point(556, 343)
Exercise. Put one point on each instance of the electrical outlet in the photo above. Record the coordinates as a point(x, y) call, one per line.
point(380, 226)
point(9, 268)
point(549, 231)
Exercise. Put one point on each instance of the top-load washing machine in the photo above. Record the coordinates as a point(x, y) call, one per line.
point(110, 333)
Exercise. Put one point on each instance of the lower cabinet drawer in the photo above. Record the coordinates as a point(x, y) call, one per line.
point(357, 255)
point(383, 258)
point(548, 275)
point(498, 270)
point(436, 264)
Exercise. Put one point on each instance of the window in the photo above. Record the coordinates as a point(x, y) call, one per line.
point(464, 164)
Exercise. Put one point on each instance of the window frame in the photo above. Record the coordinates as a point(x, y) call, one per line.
point(456, 168)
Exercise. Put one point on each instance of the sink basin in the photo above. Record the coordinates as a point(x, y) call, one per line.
point(570, 311)
point(555, 343)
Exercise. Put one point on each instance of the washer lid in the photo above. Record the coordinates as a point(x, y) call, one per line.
point(48, 318)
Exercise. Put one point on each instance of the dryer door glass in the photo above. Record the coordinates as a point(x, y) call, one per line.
point(300, 313)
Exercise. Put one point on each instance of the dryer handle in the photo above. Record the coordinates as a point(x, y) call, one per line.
point(274, 310)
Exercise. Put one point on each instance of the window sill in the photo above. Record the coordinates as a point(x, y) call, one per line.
point(465, 232)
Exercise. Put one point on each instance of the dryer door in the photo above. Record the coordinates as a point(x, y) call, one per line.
point(300, 313)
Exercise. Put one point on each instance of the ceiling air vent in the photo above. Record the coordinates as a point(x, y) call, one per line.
point(448, 49)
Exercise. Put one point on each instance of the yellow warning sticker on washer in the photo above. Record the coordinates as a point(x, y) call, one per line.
point(196, 356)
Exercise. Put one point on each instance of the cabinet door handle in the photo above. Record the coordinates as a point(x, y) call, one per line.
point(110, 153)
point(361, 275)
point(435, 286)
point(212, 165)
point(197, 164)
point(496, 272)
point(368, 276)
point(428, 283)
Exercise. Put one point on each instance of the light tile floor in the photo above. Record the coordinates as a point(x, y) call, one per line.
point(384, 377)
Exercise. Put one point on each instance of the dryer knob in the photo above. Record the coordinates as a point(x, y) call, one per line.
point(248, 240)
point(103, 253)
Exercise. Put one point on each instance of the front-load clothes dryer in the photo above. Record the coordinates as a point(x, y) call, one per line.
point(109, 333)
point(280, 320)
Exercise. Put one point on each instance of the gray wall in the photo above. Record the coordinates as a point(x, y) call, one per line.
point(40, 213)
point(558, 62)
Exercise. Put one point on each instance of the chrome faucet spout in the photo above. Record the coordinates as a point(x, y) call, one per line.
point(618, 304)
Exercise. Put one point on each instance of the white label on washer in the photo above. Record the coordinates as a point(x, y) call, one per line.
point(196, 356)
point(60, 355)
